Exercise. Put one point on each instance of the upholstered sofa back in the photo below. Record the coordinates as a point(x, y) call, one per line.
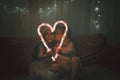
point(16, 53)
point(89, 47)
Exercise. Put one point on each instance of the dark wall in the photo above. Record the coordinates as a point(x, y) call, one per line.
point(111, 23)
point(21, 18)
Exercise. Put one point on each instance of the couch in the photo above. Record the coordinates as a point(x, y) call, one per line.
point(16, 53)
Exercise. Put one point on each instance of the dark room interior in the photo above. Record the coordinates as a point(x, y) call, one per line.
point(95, 31)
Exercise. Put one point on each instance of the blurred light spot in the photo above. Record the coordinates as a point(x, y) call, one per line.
point(97, 26)
point(96, 9)
point(21, 10)
point(99, 15)
point(55, 5)
point(48, 7)
point(98, 2)
point(96, 21)
point(17, 9)
point(40, 10)
point(24, 9)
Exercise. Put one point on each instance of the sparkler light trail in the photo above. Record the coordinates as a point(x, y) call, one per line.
point(52, 30)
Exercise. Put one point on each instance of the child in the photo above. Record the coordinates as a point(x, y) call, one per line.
point(64, 62)
point(42, 59)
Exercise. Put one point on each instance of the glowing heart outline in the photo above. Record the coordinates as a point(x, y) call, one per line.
point(52, 30)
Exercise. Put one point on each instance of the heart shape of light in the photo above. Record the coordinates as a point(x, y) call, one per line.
point(52, 30)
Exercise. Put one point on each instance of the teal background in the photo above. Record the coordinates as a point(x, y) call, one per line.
point(77, 13)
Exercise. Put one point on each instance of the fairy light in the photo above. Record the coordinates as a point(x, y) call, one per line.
point(98, 15)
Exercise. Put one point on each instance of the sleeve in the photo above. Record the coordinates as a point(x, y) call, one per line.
point(69, 49)
point(38, 52)
point(41, 53)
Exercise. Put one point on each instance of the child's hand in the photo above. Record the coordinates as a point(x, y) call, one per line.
point(57, 50)
point(50, 52)
point(43, 55)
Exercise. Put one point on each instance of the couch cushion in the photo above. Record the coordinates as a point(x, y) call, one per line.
point(89, 47)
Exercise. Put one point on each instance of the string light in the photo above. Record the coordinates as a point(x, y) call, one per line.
point(97, 15)
point(98, 2)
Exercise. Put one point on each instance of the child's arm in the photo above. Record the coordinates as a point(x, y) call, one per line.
point(41, 53)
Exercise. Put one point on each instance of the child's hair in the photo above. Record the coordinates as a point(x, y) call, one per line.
point(63, 29)
point(44, 31)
